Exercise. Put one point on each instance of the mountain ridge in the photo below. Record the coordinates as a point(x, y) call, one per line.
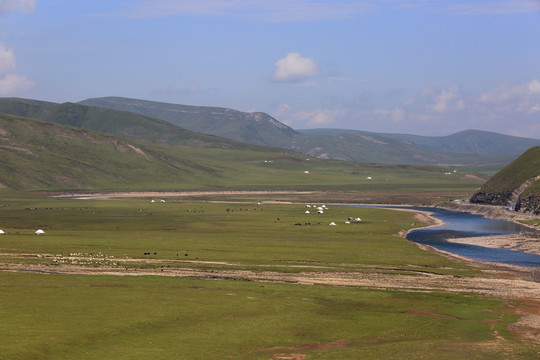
point(471, 147)
point(353, 145)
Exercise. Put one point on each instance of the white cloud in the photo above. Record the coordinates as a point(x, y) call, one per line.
point(447, 100)
point(11, 83)
point(282, 109)
point(397, 114)
point(521, 98)
point(26, 6)
point(295, 68)
point(534, 87)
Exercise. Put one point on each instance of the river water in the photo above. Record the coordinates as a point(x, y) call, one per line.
point(458, 224)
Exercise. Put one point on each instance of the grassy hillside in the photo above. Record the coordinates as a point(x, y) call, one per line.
point(498, 190)
point(36, 155)
point(119, 123)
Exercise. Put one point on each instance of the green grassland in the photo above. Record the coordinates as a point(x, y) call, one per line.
point(59, 316)
point(275, 234)
point(89, 317)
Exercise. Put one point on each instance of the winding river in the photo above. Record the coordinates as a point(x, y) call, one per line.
point(458, 224)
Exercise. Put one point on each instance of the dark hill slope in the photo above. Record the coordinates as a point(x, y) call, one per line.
point(500, 189)
point(119, 123)
point(255, 128)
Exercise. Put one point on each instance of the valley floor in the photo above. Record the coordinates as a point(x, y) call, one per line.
point(499, 281)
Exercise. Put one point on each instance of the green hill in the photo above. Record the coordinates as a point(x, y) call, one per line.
point(41, 156)
point(255, 128)
point(119, 123)
point(518, 183)
point(464, 144)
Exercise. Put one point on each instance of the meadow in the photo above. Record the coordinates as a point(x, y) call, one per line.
point(50, 314)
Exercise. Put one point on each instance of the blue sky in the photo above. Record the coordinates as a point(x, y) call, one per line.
point(404, 66)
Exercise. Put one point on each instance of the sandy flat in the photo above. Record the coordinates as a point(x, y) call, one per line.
point(518, 242)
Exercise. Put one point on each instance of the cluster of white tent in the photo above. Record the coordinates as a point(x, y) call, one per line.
point(320, 209)
point(38, 232)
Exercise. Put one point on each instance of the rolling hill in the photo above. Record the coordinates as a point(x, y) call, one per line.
point(516, 184)
point(256, 128)
point(468, 147)
point(42, 156)
point(482, 143)
point(120, 123)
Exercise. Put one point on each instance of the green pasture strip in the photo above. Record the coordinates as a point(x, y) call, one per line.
point(245, 235)
point(105, 317)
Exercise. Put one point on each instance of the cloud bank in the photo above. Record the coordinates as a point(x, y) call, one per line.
point(10, 82)
point(509, 109)
point(277, 11)
point(260, 10)
point(25, 6)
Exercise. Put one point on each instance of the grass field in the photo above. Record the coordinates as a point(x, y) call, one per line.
point(62, 316)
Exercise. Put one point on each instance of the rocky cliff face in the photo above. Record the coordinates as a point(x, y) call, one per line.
point(529, 203)
point(481, 197)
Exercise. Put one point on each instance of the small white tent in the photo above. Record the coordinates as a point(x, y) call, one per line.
point(2, 231)
point(39, 232)
point(307, 211)
point(332, 223)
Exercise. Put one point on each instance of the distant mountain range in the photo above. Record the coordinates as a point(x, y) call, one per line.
point(467, 147)
point(226, 128)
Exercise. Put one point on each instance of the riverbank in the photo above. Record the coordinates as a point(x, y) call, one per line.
point(525, 242)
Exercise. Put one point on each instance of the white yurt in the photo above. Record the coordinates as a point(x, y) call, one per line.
point(40, 232)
